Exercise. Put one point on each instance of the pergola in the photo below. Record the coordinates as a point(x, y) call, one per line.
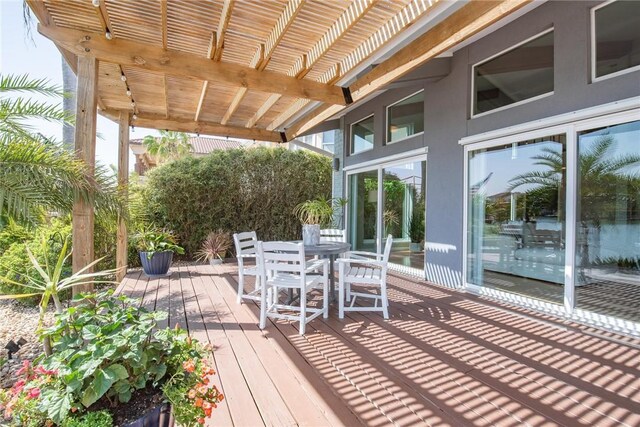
point(266, 70)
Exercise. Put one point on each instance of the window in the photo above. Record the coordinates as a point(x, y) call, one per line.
point(328, 140)
point(516, 217)
point(524, 72)
point(362, 135)
point(405, 118)
point(616, 38)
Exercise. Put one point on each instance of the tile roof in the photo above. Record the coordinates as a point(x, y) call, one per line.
point(205, 145)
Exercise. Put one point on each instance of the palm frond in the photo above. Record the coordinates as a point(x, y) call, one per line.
point(23, 83)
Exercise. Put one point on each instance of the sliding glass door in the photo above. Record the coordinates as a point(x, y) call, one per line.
point(556, 218)
point(389, 199)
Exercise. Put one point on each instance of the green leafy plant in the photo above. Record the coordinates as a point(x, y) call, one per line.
point(317, 211)
point(169, 145)
point(51, 281)
point(92, 419)
point(215, 246)
point(105, 350)
point(152, 240)
point(416, 227)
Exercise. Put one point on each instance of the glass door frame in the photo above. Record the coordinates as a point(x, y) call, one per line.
point(379, 166)
point(571, 131)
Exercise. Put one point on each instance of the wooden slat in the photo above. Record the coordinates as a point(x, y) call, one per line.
point(264, 53)
point(462, 24)
point(225, 16)
point(154, 58)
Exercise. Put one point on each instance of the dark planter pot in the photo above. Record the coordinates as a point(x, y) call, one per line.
point(158, 265)
point(160, 416)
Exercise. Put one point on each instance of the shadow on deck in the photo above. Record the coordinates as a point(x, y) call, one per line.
point(443, 358)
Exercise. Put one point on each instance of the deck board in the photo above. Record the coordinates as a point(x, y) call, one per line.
point(443, 358)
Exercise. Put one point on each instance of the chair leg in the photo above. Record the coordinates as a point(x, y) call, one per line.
point(341, 291)
point(303, 310)
point(385, 300)
point(325, 297)
point(348, 292)
point(265, 295)
point(240, 287)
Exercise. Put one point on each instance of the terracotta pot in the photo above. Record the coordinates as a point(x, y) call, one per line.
point(160, 416)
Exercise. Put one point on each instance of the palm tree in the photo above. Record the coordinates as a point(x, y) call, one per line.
point(169, 146)
point(600, 175)
point(36, 173)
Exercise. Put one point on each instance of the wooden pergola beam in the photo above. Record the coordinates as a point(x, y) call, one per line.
point(264, 52)
point(223, 24)
point(85, 144)
point(123, 182)
point(462, 24)
point(171, 62)
point(158, 121)
point(350, 17)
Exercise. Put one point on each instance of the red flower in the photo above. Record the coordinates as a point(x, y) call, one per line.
point(34, 393)
point(220, 397)
point(199, 402)
point(25, 367)
point(206, 405)
point(207, 412)
point(201, 420)
point(189, 366)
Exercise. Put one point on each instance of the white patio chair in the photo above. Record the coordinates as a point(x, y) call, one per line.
point(333, 235)
point(245, 250)
point(366, 269)
point(282, 266)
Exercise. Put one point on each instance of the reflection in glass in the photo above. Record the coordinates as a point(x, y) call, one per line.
point(516, 218)
point(516, 75)
point(404, 212)
point(617, 37)
point(363, 210)
point(362, 135)
point(405, 118)
point(608, 221)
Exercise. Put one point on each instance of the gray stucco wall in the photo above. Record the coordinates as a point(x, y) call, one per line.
point(447, 112)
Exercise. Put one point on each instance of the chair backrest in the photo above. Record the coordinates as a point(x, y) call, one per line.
point(387, 249)
point(333, 235)
point(283, 258)
point(245, 243)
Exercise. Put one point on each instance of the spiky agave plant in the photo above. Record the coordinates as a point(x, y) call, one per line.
point(215, 246)
point(51, 282)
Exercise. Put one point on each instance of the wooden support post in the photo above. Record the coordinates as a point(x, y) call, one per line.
point(85, 142)
point(123, 182)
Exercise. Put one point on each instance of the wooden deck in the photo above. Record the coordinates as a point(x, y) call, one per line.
point(443, 358)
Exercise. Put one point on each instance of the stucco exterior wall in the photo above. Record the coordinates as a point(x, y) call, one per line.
point(447, 118)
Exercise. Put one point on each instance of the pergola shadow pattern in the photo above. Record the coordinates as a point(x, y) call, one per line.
point(443, 358)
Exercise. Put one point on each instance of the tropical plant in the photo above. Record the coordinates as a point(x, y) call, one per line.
point(215, 246)
point(416, 226)
point(317, 211)
point(51, 282)
point(169, 145)
point(36, 173)
point(152, 240)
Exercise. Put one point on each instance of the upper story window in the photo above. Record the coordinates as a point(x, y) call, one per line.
point(615, 32)
point(405, 118)
point(521, 73)
point(362, 135)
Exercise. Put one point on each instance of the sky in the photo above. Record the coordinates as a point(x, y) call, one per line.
point(39, 58)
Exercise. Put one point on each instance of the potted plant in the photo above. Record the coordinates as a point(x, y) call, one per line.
point(416, 231)
point(156, 248)
point(313, 214)
point(214, 247)
point(111, 365)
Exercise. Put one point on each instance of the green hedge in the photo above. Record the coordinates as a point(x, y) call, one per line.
point(236, 190)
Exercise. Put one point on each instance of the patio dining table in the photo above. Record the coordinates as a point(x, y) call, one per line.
point(329, 250)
